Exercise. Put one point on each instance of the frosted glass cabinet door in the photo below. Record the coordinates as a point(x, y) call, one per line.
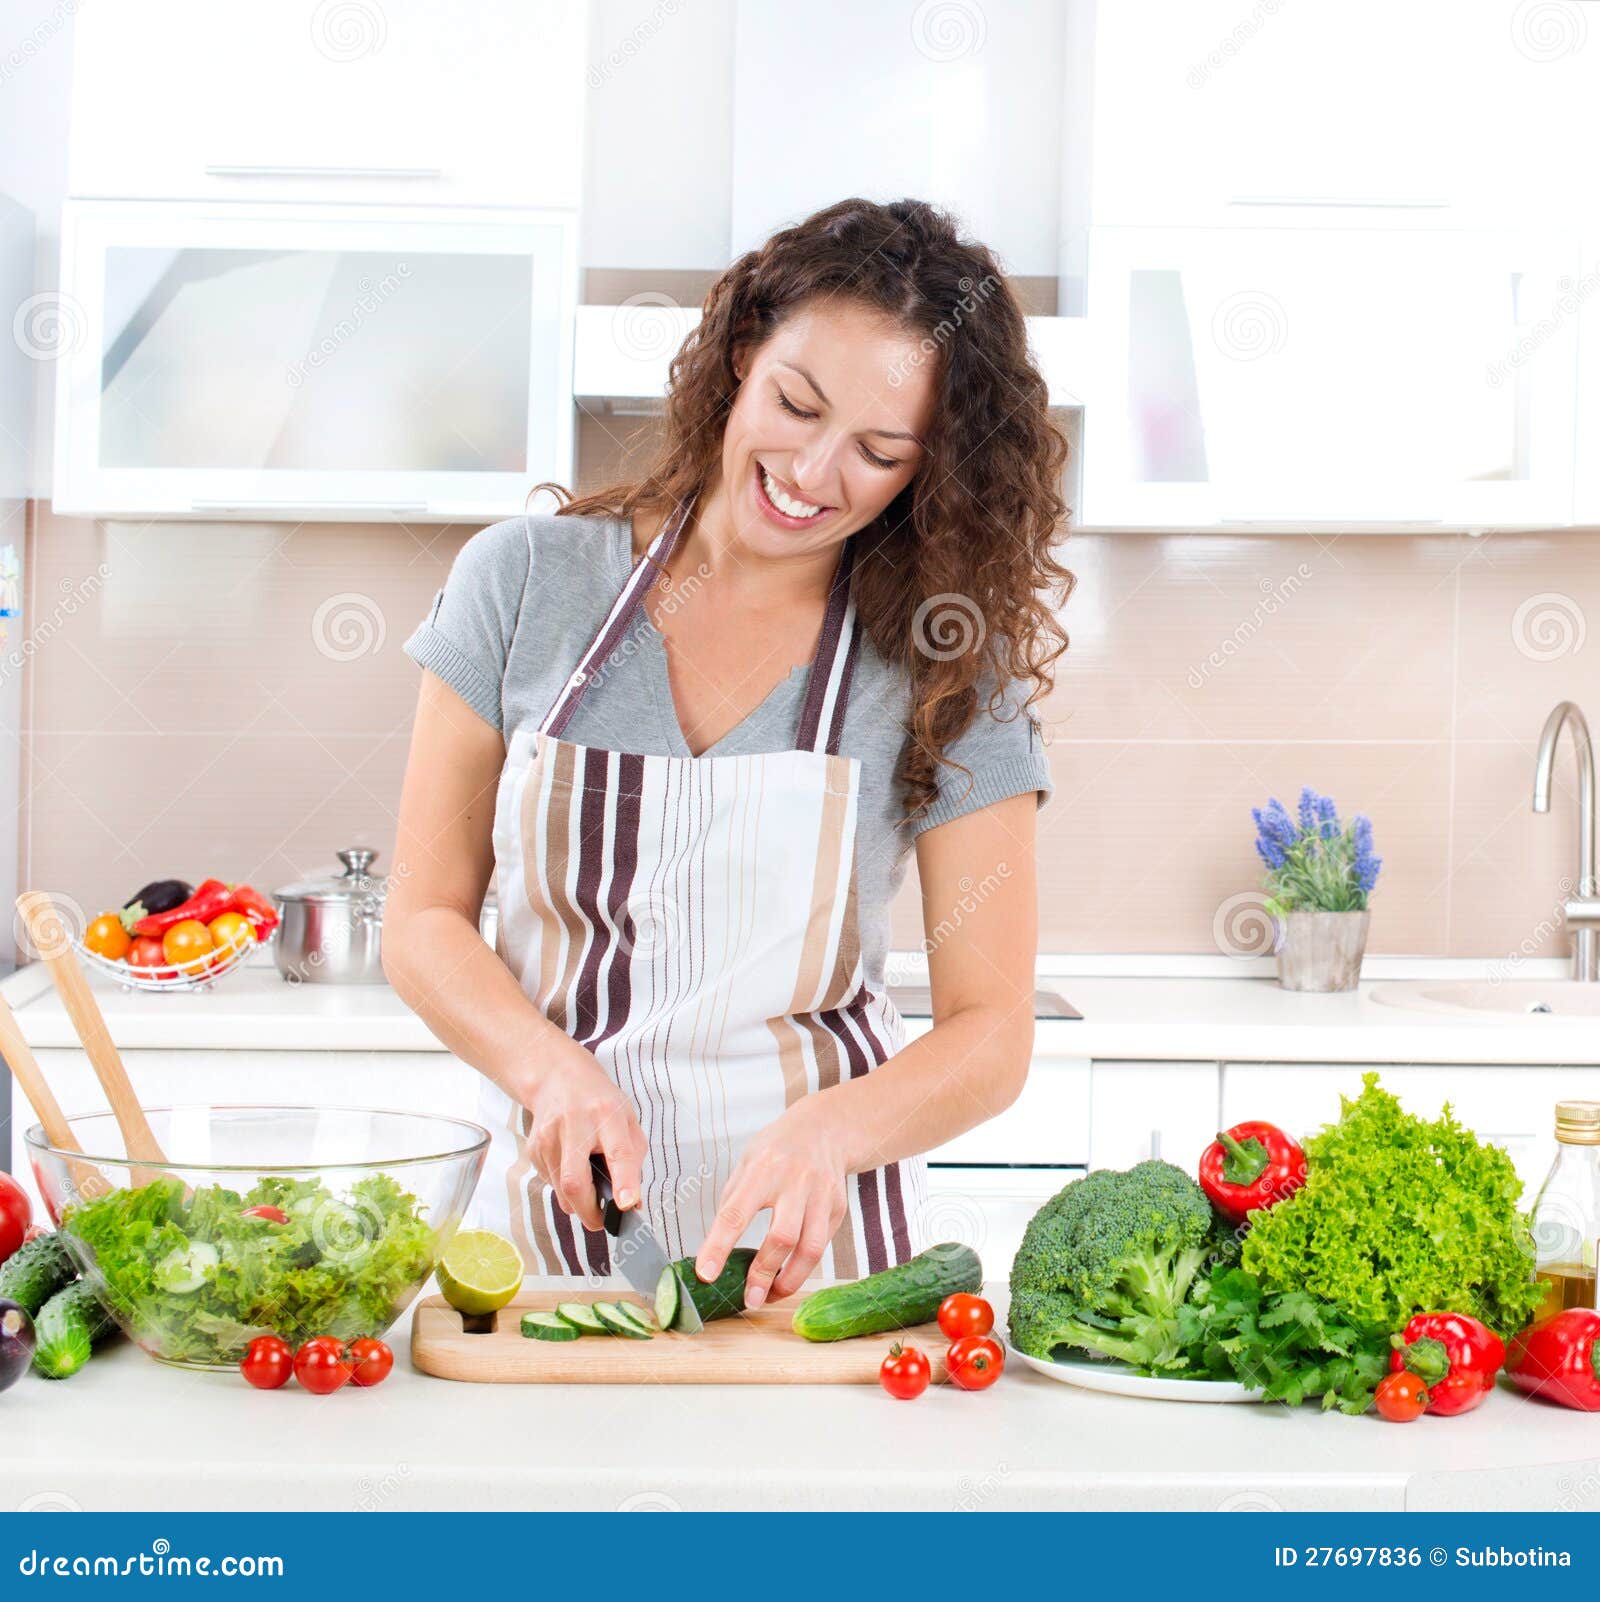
point(1284, 376)
point(246, 360)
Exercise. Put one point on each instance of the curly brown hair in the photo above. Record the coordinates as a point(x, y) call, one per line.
point(963, 555)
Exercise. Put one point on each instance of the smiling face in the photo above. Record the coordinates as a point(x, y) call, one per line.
point(821, 437)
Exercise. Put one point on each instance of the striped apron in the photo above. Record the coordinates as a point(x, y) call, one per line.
point(692, 922)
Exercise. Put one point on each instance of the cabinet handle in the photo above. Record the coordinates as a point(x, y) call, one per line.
point(277, 170)
point(1386, 202)
point(307, 506)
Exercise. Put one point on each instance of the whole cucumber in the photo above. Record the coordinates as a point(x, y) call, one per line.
point(893, 1299)
point(35, 1271)
point(68, 1326)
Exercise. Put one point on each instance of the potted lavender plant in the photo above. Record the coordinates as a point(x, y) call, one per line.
point(1319, 875)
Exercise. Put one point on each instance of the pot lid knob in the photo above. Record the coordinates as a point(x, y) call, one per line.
point(357, 860)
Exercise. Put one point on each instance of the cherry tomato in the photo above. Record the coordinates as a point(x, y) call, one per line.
point(322, 1365)
point(267, 1363)
point(274, 1215)
point(975, 1362)
point(373, 1360)
point(188, 942)
point(965, 1315)
point(16, 1216)
point(106, 937)
point(145, 952)
point(1401, 1397)
point(905, 1372)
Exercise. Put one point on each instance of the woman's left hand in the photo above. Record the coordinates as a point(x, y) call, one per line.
point(796, 1167)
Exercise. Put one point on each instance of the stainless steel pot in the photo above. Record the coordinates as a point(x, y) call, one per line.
point(332, 928)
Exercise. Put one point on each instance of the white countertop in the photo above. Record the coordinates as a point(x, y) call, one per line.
point(1156, 1016)
point(129, 1434)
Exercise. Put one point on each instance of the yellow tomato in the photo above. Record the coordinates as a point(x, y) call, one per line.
point(106, 937)
point(230, 930)
point(186, 945)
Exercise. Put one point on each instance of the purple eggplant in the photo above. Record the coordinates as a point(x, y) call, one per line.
point(16, 1342)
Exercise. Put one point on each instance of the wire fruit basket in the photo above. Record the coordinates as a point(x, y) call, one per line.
point(199, 973)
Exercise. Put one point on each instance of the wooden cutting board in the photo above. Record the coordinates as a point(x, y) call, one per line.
point(756, 1348)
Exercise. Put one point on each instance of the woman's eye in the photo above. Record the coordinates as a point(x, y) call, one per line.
point(791, 408)
point(794, 411)
point(878, 461)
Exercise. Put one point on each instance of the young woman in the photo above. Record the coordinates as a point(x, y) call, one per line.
point(697, 723)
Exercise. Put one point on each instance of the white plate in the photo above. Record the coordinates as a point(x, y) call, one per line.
point(1117, 1379)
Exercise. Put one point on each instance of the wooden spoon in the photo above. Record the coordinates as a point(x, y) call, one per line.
point(88, 1182)
point(51, 939)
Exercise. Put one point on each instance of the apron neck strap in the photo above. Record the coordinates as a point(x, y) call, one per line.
point(822, 716)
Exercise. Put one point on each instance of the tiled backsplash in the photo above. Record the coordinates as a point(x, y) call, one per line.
point(232, 699)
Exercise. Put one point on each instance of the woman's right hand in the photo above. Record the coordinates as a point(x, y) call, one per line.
point(575, 1111)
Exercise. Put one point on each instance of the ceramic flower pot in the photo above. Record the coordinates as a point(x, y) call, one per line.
point(1321, 950)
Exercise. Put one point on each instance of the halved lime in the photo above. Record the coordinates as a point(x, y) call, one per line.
point(480, 1271)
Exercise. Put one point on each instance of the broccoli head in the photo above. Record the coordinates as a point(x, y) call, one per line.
point(1107, 1262)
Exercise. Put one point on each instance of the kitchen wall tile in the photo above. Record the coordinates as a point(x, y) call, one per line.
point(1529, 604)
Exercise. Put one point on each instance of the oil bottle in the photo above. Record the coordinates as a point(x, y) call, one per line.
point(1566, 1212)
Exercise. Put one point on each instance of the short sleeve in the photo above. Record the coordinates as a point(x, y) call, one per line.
point(1004, 750)
point(466, 637)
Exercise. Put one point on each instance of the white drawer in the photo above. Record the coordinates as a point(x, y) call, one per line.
point(1047, 1123)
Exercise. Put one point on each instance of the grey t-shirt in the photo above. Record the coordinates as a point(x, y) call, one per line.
point(525, 598)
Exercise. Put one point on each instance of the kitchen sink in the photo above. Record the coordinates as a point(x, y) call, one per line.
point(1563, 998)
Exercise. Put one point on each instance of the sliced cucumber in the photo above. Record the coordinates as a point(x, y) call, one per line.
point(669, 1292)
point(635, 1314)
point(582, 1318)
point(183, 1271)
point(618, 1322)
point(548, 1327)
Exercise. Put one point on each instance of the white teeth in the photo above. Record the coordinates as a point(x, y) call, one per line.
point(785, 503)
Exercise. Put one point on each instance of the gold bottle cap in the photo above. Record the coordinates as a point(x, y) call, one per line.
point(1578, 1123)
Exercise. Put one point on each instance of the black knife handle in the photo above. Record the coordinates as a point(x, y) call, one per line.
point(610, 1213)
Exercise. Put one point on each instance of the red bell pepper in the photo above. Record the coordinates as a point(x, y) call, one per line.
point(211, 900)
point(257, 908)
point(1454, 1355)
point(1249, 1166)
point(1559, 1359)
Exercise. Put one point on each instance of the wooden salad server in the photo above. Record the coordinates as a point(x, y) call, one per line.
point(52, 940)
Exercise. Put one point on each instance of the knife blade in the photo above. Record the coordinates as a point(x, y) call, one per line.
point(638, 1256)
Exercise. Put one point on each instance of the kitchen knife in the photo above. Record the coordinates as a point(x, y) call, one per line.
point(637, 1254)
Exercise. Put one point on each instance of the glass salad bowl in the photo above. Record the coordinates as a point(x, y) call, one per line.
point(292, 1221)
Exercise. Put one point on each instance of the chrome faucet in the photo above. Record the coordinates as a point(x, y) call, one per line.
point(1582, 912)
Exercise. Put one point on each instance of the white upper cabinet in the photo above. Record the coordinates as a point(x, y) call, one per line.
point(407, 101)
point(338, 362)
point(1456, 113)
point(1285, 377)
